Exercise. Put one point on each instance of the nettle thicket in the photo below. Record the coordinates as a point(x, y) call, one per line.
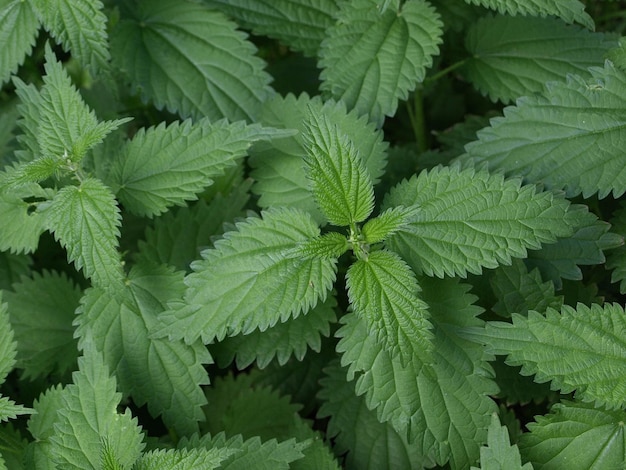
point(312, 234)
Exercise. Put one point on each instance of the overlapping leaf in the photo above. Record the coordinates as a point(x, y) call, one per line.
point(499, 453)
point(373, 57)
point(590, 338)
point(251, 280)
point(164, 374)
point(167, 165)
point(22, 235)
point(469, 219)
point(569, 138)
point(86, 220)
point(18, 31)
point(299, 24)
point(570, 11)
point(204, 67)
point(516, 56)
point(179, 459)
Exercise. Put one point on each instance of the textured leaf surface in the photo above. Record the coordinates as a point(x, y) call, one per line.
point(18, 31)
point(86, 220)
point(163, 166)
point(330, 245)
point(22, 235)
point(279, 167)
point(299, 24)
point(204, 66)
point(339, 179)
point(499, 454)
point(390, 221)
point(515, 56)
point(383, 292)
point(570, 11)
point(182, 459)
point(164, 374)
point(372, 58)
point(569, 138)
point(42, 310)
point(443, 408)
point(469, 219)
point(617, 258)
point(8, 346)
point(10, 410)
point(591, 338)
point(80, 25)
point(250, 280)
point(593, 438)
point(88, 417)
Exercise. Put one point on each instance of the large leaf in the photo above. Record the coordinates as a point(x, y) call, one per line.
point(372, 57)
point(86, 220)
point(204, 67)
point(469, 219)
point(515, 56)
point(568, 10)
point(299, 24)
point(251, 280)
point(164, 374)
point(18, 31)
point(167, 165)
point(568, 138)
point(591, 339)
point(339, 179)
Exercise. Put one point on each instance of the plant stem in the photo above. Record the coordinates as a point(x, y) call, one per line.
point(447, 70)
point(416, 116)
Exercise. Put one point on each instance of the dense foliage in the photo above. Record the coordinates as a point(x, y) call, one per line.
point(312, 234)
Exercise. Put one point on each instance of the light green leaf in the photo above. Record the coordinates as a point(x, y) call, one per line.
point(167, 165)
point(581, 349)
point(339, 179)
point(278, 167)
point(299, 24)
point(9, 409)
point(80, 26)
point(164, 374)
point(42, 309)
point(250, 280)
point(18, 32)
point(41, 424)
point(88, 416)
point(576, 435)
point(282, 341)
point(183, 459)
point(383, 292)
point(570, 11)
point(205, 67)
point(499, 454)
point(515, 56)
point(85, 219)
point(469, 219)
point(548, 139)
point(22, 235)
point(386, 224)
point(328, 246)
point(371, 59)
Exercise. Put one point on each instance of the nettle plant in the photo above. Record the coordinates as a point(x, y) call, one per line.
point(310, 247)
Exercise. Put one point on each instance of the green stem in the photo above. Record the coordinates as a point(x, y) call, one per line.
point(416, 116)
point(446, 71)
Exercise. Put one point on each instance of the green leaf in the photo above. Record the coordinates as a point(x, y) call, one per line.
point(299, 24)
point(548, 139)
point(617, 259)
point(383, 292)
point(386, 224)
point(371, 58)
point(12, 268)
point(13, 447)
point(250, 280)
point(328, 246)
point(576, 434)
point(504, 66)
point(570, 11)
point(8, 346)
point(86, 220)
point(22, 235)
point(590, 338)
point(278, 167)
point(166, 375)
point(205, 67)
point(41, 424)
point(19, 23)
point(167, 165)
point(88, 416)
point(469, 219)
point(42, 310)
point(9, 409)
point(339, 179)
point(282, 341)
point(80, 26)
point(499, 454)
point(181, 459)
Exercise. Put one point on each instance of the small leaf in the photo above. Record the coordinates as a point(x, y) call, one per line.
point(371, 58)
point(499, 454)
point(386, 224)
point(328, 246)
point(86, 220)
point(205, 67)
point(250, 280)
point(18, 22)
point(339, 179)
point(383, 292)
point(22, 235)
point(8, 346)
point(9, 409)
